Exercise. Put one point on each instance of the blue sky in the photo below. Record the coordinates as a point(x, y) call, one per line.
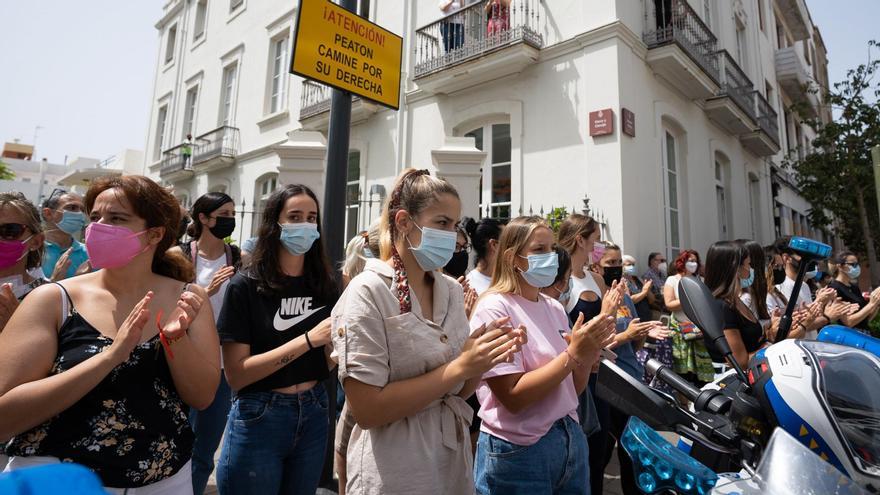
point(83, 70)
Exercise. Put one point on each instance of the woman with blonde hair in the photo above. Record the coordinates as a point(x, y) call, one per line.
point(405, 358)
point(530, 439)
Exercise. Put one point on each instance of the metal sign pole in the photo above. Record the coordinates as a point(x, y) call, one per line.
point(333, 229)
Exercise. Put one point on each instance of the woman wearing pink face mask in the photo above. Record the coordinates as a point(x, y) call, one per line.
point(99, 370)
point(21, 249)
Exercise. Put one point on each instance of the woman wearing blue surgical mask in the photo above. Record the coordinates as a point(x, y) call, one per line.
point(274, 328)
point(846, 284)
point(530, 439)
point(65, 218)
point(405, 358)
point(728, 272)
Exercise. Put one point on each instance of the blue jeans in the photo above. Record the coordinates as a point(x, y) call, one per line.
point(453, 36)
point(274, 443)
point(208, 426)
point(556, 464)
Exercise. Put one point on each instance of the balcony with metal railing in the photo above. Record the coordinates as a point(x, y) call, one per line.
point(477, 43)
point(733, 108)
point(314, 113)
point(764, 141)
point(682, 48)
point(795, 76)
point(210, 151)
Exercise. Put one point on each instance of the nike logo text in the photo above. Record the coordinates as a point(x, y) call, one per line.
point(299, 306)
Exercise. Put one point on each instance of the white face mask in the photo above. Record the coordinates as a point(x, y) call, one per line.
point(691, 267)
point(662, 267)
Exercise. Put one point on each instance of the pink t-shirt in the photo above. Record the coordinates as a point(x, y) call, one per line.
point(545, 321)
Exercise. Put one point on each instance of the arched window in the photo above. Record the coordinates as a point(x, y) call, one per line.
point(755, 205)
point(671, 186)
point(495, 184)
point(722, 181)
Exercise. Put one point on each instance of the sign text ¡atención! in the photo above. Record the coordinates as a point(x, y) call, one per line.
point(336, 47)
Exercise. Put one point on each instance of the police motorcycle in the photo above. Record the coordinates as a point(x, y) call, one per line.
point(804, 417)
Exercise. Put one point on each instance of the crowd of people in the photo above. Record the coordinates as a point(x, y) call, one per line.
point(137, 355)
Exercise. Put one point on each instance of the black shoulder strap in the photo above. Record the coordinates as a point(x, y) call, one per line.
point(71, 309)
point(233, 255)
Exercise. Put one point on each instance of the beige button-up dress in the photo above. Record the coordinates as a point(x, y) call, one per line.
point(428, 452)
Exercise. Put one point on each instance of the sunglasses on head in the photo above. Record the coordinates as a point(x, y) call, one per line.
point(12, 231)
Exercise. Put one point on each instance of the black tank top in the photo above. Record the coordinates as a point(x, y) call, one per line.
point(131, 429)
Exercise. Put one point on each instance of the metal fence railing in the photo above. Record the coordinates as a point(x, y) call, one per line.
point(736, 84)
point(674, 21)
point(223, 141)
point(476, 30)
point(767, 118)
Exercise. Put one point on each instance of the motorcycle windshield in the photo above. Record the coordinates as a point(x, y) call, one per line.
point(850, 382)
point(789, 468)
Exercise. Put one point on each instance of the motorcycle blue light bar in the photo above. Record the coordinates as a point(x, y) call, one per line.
point(810, 248)
point(837, 334)
point(659, 466)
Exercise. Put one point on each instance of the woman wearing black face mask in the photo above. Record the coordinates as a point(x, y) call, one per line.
point(213, 220)
point(458, 265)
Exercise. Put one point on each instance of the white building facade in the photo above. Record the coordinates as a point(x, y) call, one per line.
point(504, 112)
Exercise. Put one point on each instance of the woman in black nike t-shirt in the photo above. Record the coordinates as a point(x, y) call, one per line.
point(274, 326)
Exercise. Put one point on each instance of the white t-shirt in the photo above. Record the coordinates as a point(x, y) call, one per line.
point(805, 299)
point(673, 281)
point(478, 281)
point(205, 270)
point(787, 286)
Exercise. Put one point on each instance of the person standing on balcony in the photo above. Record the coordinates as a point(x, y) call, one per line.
point(452, 27)
point(186, 151)
point(63, 214)
point(498, 12)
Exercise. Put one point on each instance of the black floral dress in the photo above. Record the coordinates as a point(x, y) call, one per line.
point(131, 429)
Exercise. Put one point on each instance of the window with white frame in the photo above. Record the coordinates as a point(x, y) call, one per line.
point(170, 42)
point(278, 72)
point(159, 139)
point(234, 4)
point(227, 104)
point(671, 170)
point(201, 20)
point(189, 113)
point(265, 187)
point(353, 195)
point(707, 13)
point(761, 14)
point(495, 183)
point(755, 204)
point(741, 43)
point(721, 198)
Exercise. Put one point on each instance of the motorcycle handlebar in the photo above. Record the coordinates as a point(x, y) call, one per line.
point(672, 379)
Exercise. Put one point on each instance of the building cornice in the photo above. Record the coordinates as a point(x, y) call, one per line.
point(172, 13)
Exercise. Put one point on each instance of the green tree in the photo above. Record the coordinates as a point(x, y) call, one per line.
point(5, 172)
point(837, 176)
point(556, 217)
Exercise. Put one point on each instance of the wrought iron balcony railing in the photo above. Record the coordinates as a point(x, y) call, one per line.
point(674, 21)
point(476, 30)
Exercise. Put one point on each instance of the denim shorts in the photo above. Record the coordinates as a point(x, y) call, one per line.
point(555, 464)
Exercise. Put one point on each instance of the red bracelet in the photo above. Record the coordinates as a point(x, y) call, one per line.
point(166, 342)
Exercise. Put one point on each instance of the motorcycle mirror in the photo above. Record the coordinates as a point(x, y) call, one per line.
point(704, 311)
